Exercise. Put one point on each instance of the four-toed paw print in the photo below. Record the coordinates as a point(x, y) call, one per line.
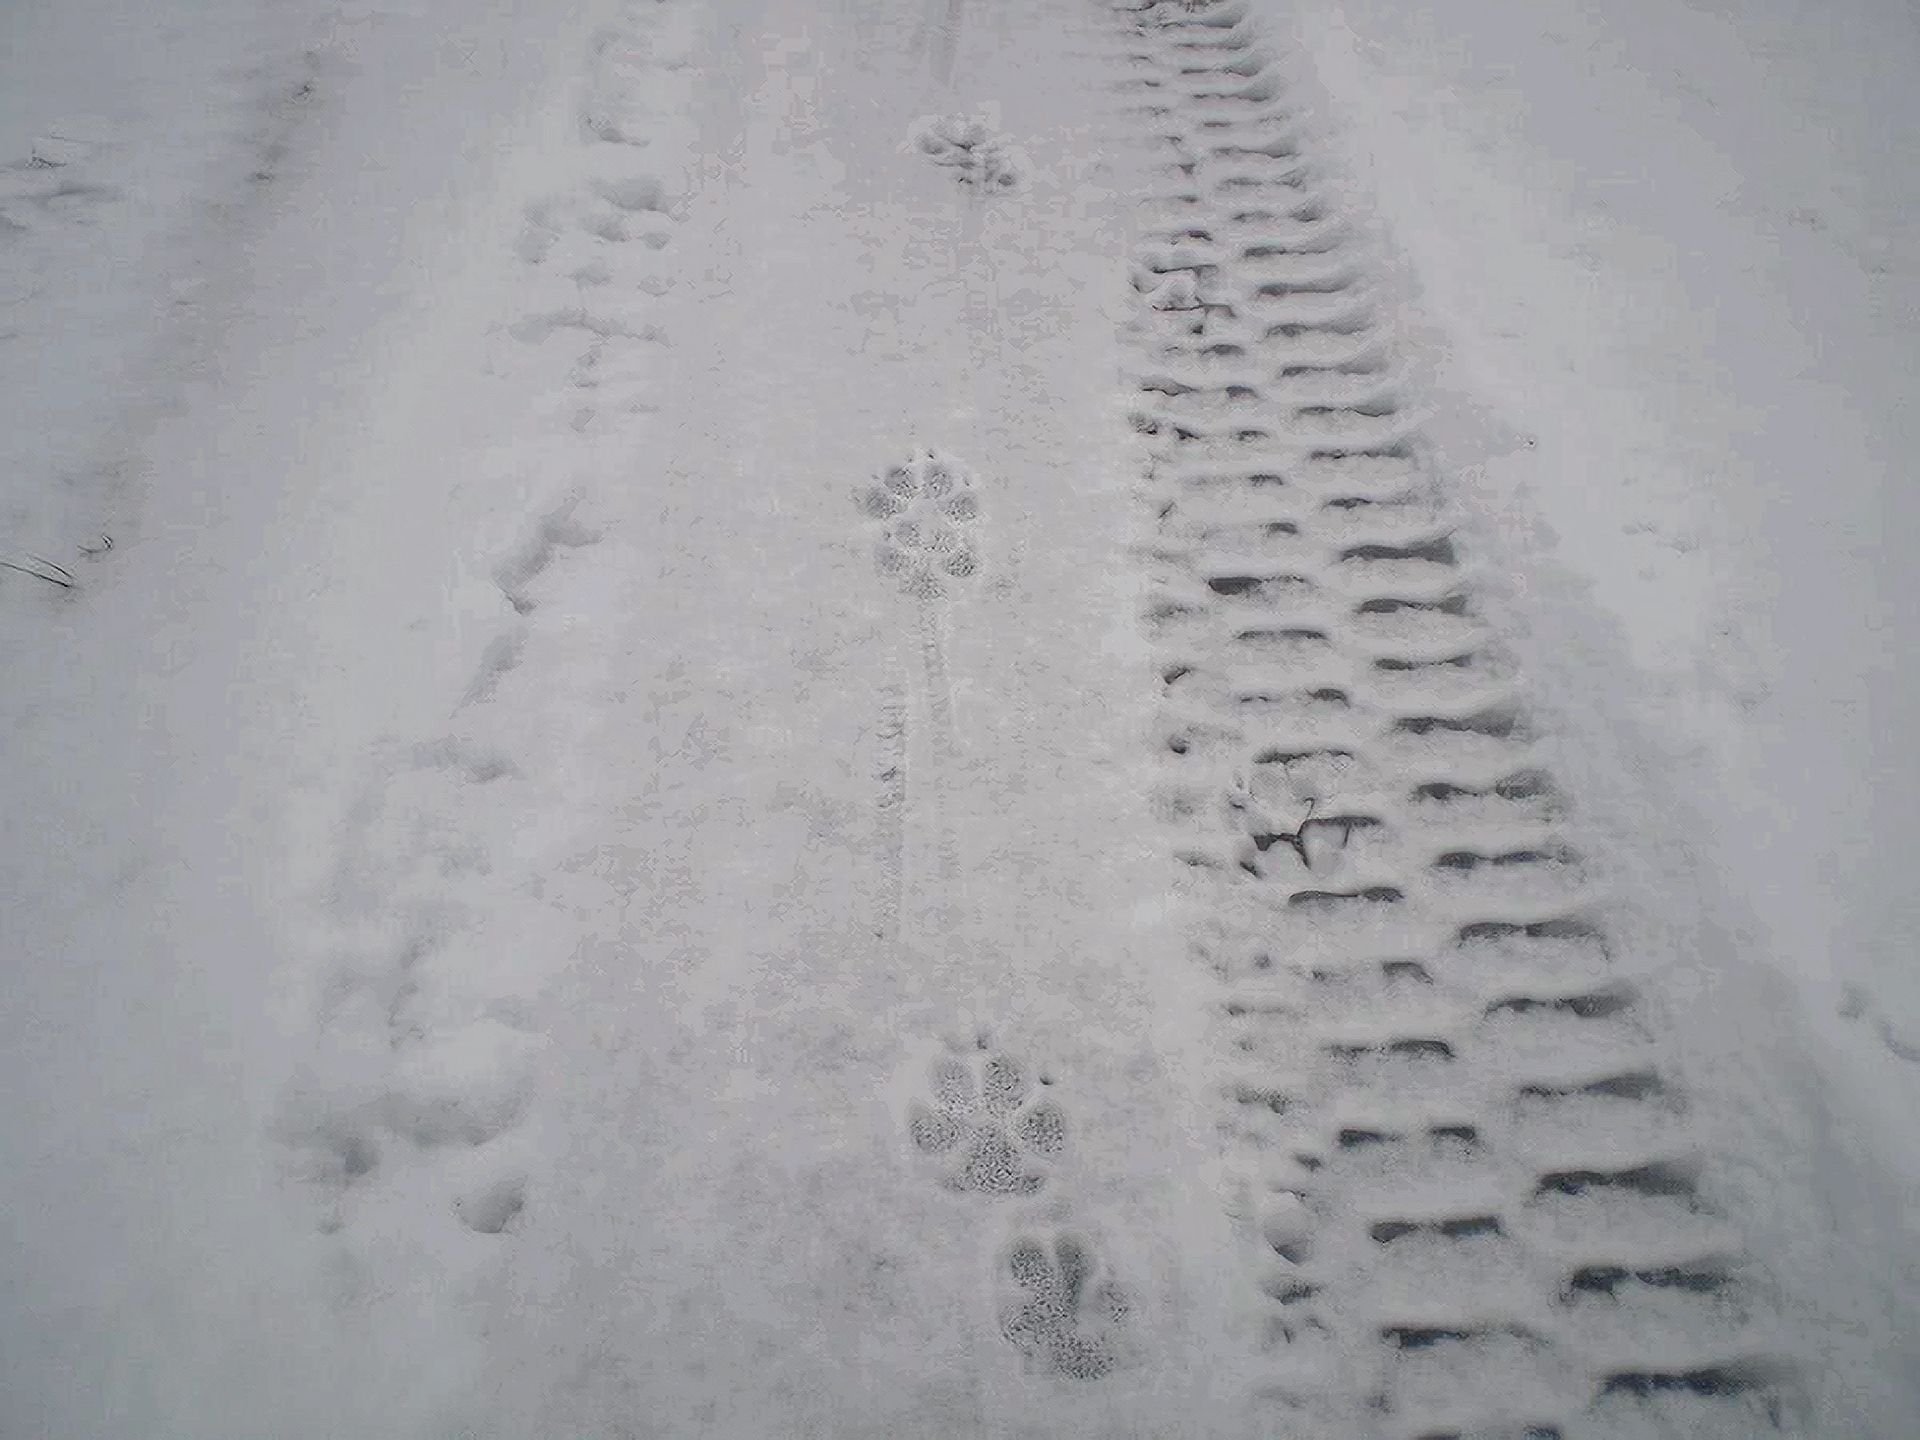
point(1060, 1311)
point(926, 503)
point(986, 1128)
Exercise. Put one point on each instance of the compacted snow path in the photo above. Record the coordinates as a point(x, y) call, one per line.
point(748, 1002)
point(856, 1081)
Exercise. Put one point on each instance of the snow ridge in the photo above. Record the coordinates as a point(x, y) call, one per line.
point(1472, 1202)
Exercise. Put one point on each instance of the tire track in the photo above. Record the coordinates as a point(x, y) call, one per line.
point(1474, 1203)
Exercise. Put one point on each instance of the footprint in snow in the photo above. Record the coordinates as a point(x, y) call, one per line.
point(1061, 1309)
point(968, 144)
point(926, 506)
point(988, 1127)
point(488, 1209)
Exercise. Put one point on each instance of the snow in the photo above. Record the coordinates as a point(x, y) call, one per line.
point(1676, 288)
point(648, 826)
point(1662, 258)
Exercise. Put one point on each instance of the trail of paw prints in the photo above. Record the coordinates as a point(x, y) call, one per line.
point(600, 245)
point(926, 505)
point(987, 1125)
point(969, 145)
point(1060, 1308)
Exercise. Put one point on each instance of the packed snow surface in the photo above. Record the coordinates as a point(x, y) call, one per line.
point(943, 718)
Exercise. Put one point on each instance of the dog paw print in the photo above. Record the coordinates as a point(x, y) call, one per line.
point(970, 145)
point(1063, 1314)
point(925, 506)
point(988, 1127)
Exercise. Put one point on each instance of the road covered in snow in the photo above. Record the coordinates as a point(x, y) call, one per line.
point(950, 718)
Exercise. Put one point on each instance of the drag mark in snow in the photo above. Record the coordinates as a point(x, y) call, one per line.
point(1469, 1197)
point(939, 688)
point(923, 508)
point(986, 1125)
point(946, 35)
point(938, 34)
point(891, 772)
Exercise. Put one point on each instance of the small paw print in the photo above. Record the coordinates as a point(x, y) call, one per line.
point(968, 144)
point(925, 503)
point(986, 1127)
point(1063, 1314)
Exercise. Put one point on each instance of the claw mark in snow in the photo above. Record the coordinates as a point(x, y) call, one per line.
point(924, 507)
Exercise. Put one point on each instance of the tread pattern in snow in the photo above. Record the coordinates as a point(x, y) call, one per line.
point(1475, 1201)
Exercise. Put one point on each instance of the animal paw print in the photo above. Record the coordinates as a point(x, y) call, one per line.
point(986, 1128)
point(967, 143)
point(926, 503)
point(1064, 1315)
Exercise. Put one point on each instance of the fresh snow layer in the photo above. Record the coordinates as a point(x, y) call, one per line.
point(746, 760)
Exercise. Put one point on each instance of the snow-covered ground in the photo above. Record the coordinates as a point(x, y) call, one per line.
point(661, 820)
point(1664, 259)
point(1669, 256)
